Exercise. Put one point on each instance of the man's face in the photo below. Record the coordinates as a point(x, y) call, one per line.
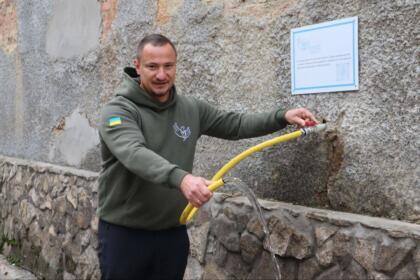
point(157, 69)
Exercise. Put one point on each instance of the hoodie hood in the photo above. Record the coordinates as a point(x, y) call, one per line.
point(130, 89)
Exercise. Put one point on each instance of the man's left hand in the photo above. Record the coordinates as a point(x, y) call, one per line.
point(299, 117)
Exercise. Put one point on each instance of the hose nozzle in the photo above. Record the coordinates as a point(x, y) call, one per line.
point(317, 128)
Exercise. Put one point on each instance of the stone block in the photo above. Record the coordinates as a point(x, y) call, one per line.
point(34, 197)
point(30, 181)
point(69, 276)
point(211, 244)
point(85, 198)
point(334, 272)
point(288, 268)
point(45, 219)
point(51, 231)
point(343, 246)
point(83, 218)
point(213, 272)
point(203, 215)
point(59, 221)
point(408, 272)
point(236, 267)
point(251, 247)
point(220, 254)
point(226, 232)
point(324, 232)
point(308, 269)
point(289, 238)
point(263, 268)
point(12, 172)
point(52, 237)
point(17, 193)
point(29, 254)
point(60, 205)
point(94, 223)
point(215, 208)
point(83, 237)
point(240, 215)
point(4, 211)
point(69, 263)
point(194, 269)
point(198, 240)
point(7, 249)
point(364, 251)
point(325, 254)
point(94, 242)
point(34, 234)
point(18, 177)
point(88, 264)
point(85, 212)
point(3, 168)
point(391, 253)
point(52, 254)
point(56, 186)
point(220, 197)
point(354, 271)
point(45, 184)
point(70, 225)
point(356, 242)
point(374, 275)
point(9, 227)
point(71, 247)
point(28, 212)
point(71, 196)
point(47, 204)
point(255, 227)
point(416, 257)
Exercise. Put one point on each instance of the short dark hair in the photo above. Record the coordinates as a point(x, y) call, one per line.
point(156, 40)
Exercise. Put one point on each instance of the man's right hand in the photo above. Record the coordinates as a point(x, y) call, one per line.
point(195, 190)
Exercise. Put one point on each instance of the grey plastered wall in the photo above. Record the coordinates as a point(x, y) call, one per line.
point(60, 62)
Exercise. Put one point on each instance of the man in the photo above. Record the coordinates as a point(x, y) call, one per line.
point(148, 134)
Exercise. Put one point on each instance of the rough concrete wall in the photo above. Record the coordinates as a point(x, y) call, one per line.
point(47, 79)
point(48, 225)
point(235, 54)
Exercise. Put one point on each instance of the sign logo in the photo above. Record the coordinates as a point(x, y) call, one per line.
point(182, 131)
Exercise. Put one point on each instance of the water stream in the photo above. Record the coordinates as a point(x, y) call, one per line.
point(257, 207)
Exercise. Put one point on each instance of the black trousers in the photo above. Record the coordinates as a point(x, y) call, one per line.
point(126, 253)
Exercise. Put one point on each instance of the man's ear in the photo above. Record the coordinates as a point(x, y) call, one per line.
point(137, 65)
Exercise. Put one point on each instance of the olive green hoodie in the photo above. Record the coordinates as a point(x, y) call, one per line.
point(148, 147)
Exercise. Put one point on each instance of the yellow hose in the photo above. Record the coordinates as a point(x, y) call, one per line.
point(233, 162)
point(190, 210)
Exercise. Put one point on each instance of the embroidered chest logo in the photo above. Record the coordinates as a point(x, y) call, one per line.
point(182, 131)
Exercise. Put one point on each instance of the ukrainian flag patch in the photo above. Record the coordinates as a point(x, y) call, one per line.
point(114, 121)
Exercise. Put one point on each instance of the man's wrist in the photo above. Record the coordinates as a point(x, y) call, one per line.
point(176, 176)
point(281, 117)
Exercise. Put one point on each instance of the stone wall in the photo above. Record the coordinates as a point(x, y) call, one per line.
point(228, 242)
point(48, 226)
point(61, 60)
point(47, 222)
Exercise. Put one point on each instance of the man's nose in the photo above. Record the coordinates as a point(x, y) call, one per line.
point(161, 75)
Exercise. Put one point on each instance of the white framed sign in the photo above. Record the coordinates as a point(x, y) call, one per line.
point(324, 57)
